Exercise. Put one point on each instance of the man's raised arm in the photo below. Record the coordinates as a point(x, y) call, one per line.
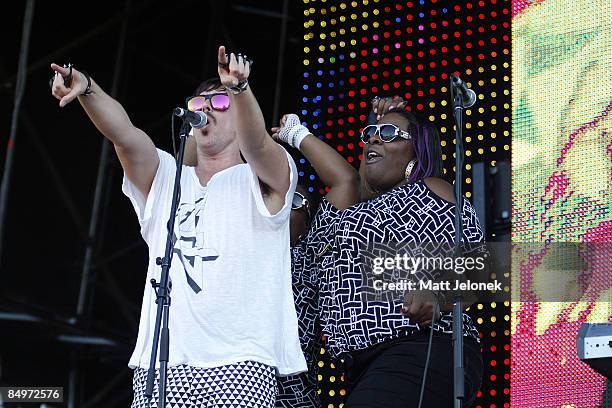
point(267, 159)
point(134, 148)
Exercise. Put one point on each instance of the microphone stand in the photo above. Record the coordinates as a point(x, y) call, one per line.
point(162, 290)
point(459, 369)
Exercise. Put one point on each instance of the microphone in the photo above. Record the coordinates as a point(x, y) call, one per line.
point(469, 96)
point(197, 119)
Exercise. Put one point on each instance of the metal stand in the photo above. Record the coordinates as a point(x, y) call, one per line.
point(19, 91)
point(162, 290)
point(459, 369)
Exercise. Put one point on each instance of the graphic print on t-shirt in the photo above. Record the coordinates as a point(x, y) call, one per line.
point(189, 245)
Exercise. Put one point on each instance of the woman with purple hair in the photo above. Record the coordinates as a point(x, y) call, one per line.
point(379, 332)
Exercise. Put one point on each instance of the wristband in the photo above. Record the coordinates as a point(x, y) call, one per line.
point(87, 90)
point(241, 87)
point(293, 132)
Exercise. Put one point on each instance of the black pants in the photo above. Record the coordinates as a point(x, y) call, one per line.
point(389, 374)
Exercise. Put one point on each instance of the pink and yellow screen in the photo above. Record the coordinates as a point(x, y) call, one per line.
point(562, 193)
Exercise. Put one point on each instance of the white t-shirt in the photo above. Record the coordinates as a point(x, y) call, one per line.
point(231, 297)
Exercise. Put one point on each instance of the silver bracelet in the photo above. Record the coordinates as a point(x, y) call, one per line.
point(241, 87)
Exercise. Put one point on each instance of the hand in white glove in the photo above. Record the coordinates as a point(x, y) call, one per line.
point(291, 130)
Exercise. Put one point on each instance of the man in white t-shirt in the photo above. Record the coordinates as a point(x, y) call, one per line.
point(232, 319)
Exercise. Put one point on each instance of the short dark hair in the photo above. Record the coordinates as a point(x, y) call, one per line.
point(209, 85)
point(426, 141)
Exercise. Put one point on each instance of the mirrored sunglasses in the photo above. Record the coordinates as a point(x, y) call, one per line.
point(219, 102)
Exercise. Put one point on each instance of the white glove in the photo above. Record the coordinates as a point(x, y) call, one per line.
point(293, 132)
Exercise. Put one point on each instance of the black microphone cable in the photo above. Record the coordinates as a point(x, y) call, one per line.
point(436, 312)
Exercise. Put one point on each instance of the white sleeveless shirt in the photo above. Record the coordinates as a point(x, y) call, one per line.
point(231, 296)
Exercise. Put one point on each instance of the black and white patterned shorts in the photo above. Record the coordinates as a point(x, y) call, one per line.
point(246, 384)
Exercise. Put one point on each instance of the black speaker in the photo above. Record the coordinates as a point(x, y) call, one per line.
point(492, 198)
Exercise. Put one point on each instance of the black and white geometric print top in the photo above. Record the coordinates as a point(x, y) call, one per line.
point(301, 390)
point(411, 213)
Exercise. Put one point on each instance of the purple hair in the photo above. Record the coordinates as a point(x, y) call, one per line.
point(426, 142)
